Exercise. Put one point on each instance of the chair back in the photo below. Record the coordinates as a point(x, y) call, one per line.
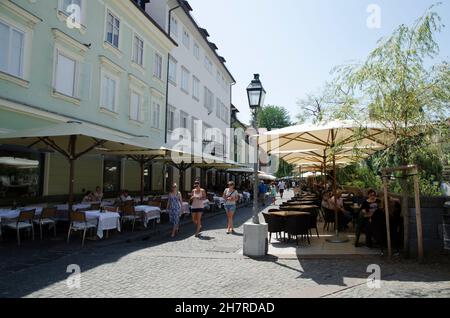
point(48, 213)
point(95, 206)
point(297, 224)
point(154, 203)
point(111, 209)
point(267, 217)
point(274, 210)
point(78, 216)
point(26, 216)
point(128, 210)
point(329, 215)
point(129, 203)
point(277, 223)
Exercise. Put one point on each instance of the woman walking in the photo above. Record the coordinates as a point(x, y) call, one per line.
point(198, 198)
point(174, 204)
point(231, 197)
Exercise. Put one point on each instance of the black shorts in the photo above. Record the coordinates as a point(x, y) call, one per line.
point(281, 190)
point(197, 210)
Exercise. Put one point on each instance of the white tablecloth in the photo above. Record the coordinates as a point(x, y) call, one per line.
point(106, 221)
point(80, 206)
point(246, 195)
point(150, 213)
point(220, 201)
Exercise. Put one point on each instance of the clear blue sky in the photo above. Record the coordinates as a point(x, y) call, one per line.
point(294, 44)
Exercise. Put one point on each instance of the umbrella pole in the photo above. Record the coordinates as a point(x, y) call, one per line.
point(336, 239)
point(72, 143)
point(141, 163)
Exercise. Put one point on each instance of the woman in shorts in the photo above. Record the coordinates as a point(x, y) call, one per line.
point(231, 196)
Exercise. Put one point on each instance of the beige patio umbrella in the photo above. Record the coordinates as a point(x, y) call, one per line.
point(72, 140)
point(328, 139)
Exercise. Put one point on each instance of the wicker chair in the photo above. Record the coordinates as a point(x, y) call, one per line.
point(298, 225)
point(329, 217)
point(276, 225)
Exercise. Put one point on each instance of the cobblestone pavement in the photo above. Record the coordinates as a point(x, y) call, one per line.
point(213, 267)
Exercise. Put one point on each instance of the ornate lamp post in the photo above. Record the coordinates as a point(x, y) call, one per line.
point(256, 95)
point(255, 234)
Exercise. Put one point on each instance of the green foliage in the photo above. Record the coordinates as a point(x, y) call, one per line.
point(284, 169)
point(273, 117)
point(360, 176)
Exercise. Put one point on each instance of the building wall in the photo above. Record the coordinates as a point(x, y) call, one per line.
point(30, 101)
point(50, 33)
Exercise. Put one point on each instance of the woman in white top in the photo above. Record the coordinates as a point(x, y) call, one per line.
point(231, 196)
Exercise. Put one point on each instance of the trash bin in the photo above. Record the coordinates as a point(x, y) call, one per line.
point(446, 225)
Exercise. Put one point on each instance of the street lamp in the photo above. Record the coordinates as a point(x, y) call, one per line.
point(256, 95)
point(255, 234)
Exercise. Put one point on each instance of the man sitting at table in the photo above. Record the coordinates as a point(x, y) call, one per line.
point(88, 197)
point(98, 195)
point(124, 197)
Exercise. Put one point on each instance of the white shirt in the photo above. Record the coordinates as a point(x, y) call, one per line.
point(281, 185)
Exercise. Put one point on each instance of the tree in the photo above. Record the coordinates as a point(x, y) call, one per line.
point(273, 117)
point(316, 107)
point(396, 87)
point(276, 117)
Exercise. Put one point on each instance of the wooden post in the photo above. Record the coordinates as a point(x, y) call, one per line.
point(386, 211)
point(72, 150)
point(142, 164)
point(418, 214)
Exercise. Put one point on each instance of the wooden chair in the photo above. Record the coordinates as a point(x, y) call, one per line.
point(95, 206)
point(129, 214)
point(113, 209)
point(48, 217)
point(78, 222)
point(25, 221)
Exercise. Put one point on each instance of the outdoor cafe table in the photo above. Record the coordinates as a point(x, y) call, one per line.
point(299, 207)
point(106, 221)
point(150, 213)
point(289, 213)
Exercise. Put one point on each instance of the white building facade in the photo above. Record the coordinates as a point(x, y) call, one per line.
point(199, 96)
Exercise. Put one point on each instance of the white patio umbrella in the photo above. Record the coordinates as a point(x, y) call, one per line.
point(335, 138)
point(72, 140)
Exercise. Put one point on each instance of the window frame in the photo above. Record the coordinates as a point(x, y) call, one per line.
point(158, 73)
point(184, 81)
point(11, 28)
point(173, 81)
point(196, 84)
point(116, 17)
point(140, 94)
point(136, 36)
point(76, 80)
point(116, 78)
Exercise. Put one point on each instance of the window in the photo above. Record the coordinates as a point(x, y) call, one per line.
point(173, 27)
point(156, 115)
point(65, 75)
point(157, 72)
point(196, 88)
point(185, 80)
point(184, 120)
point(72, 8)
point(218, 108)
point(171, 119)
point(11, 50)
point(172, 70)
point(20, 174)
point(208, 64)
point(209, 100)
point(186, 39)
point(112, 30)
point(136, 106)
point(109, 92)
point(138, 51)
point(195, 129)
point(196, 51)
point(218, 77)
point(111, 175)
